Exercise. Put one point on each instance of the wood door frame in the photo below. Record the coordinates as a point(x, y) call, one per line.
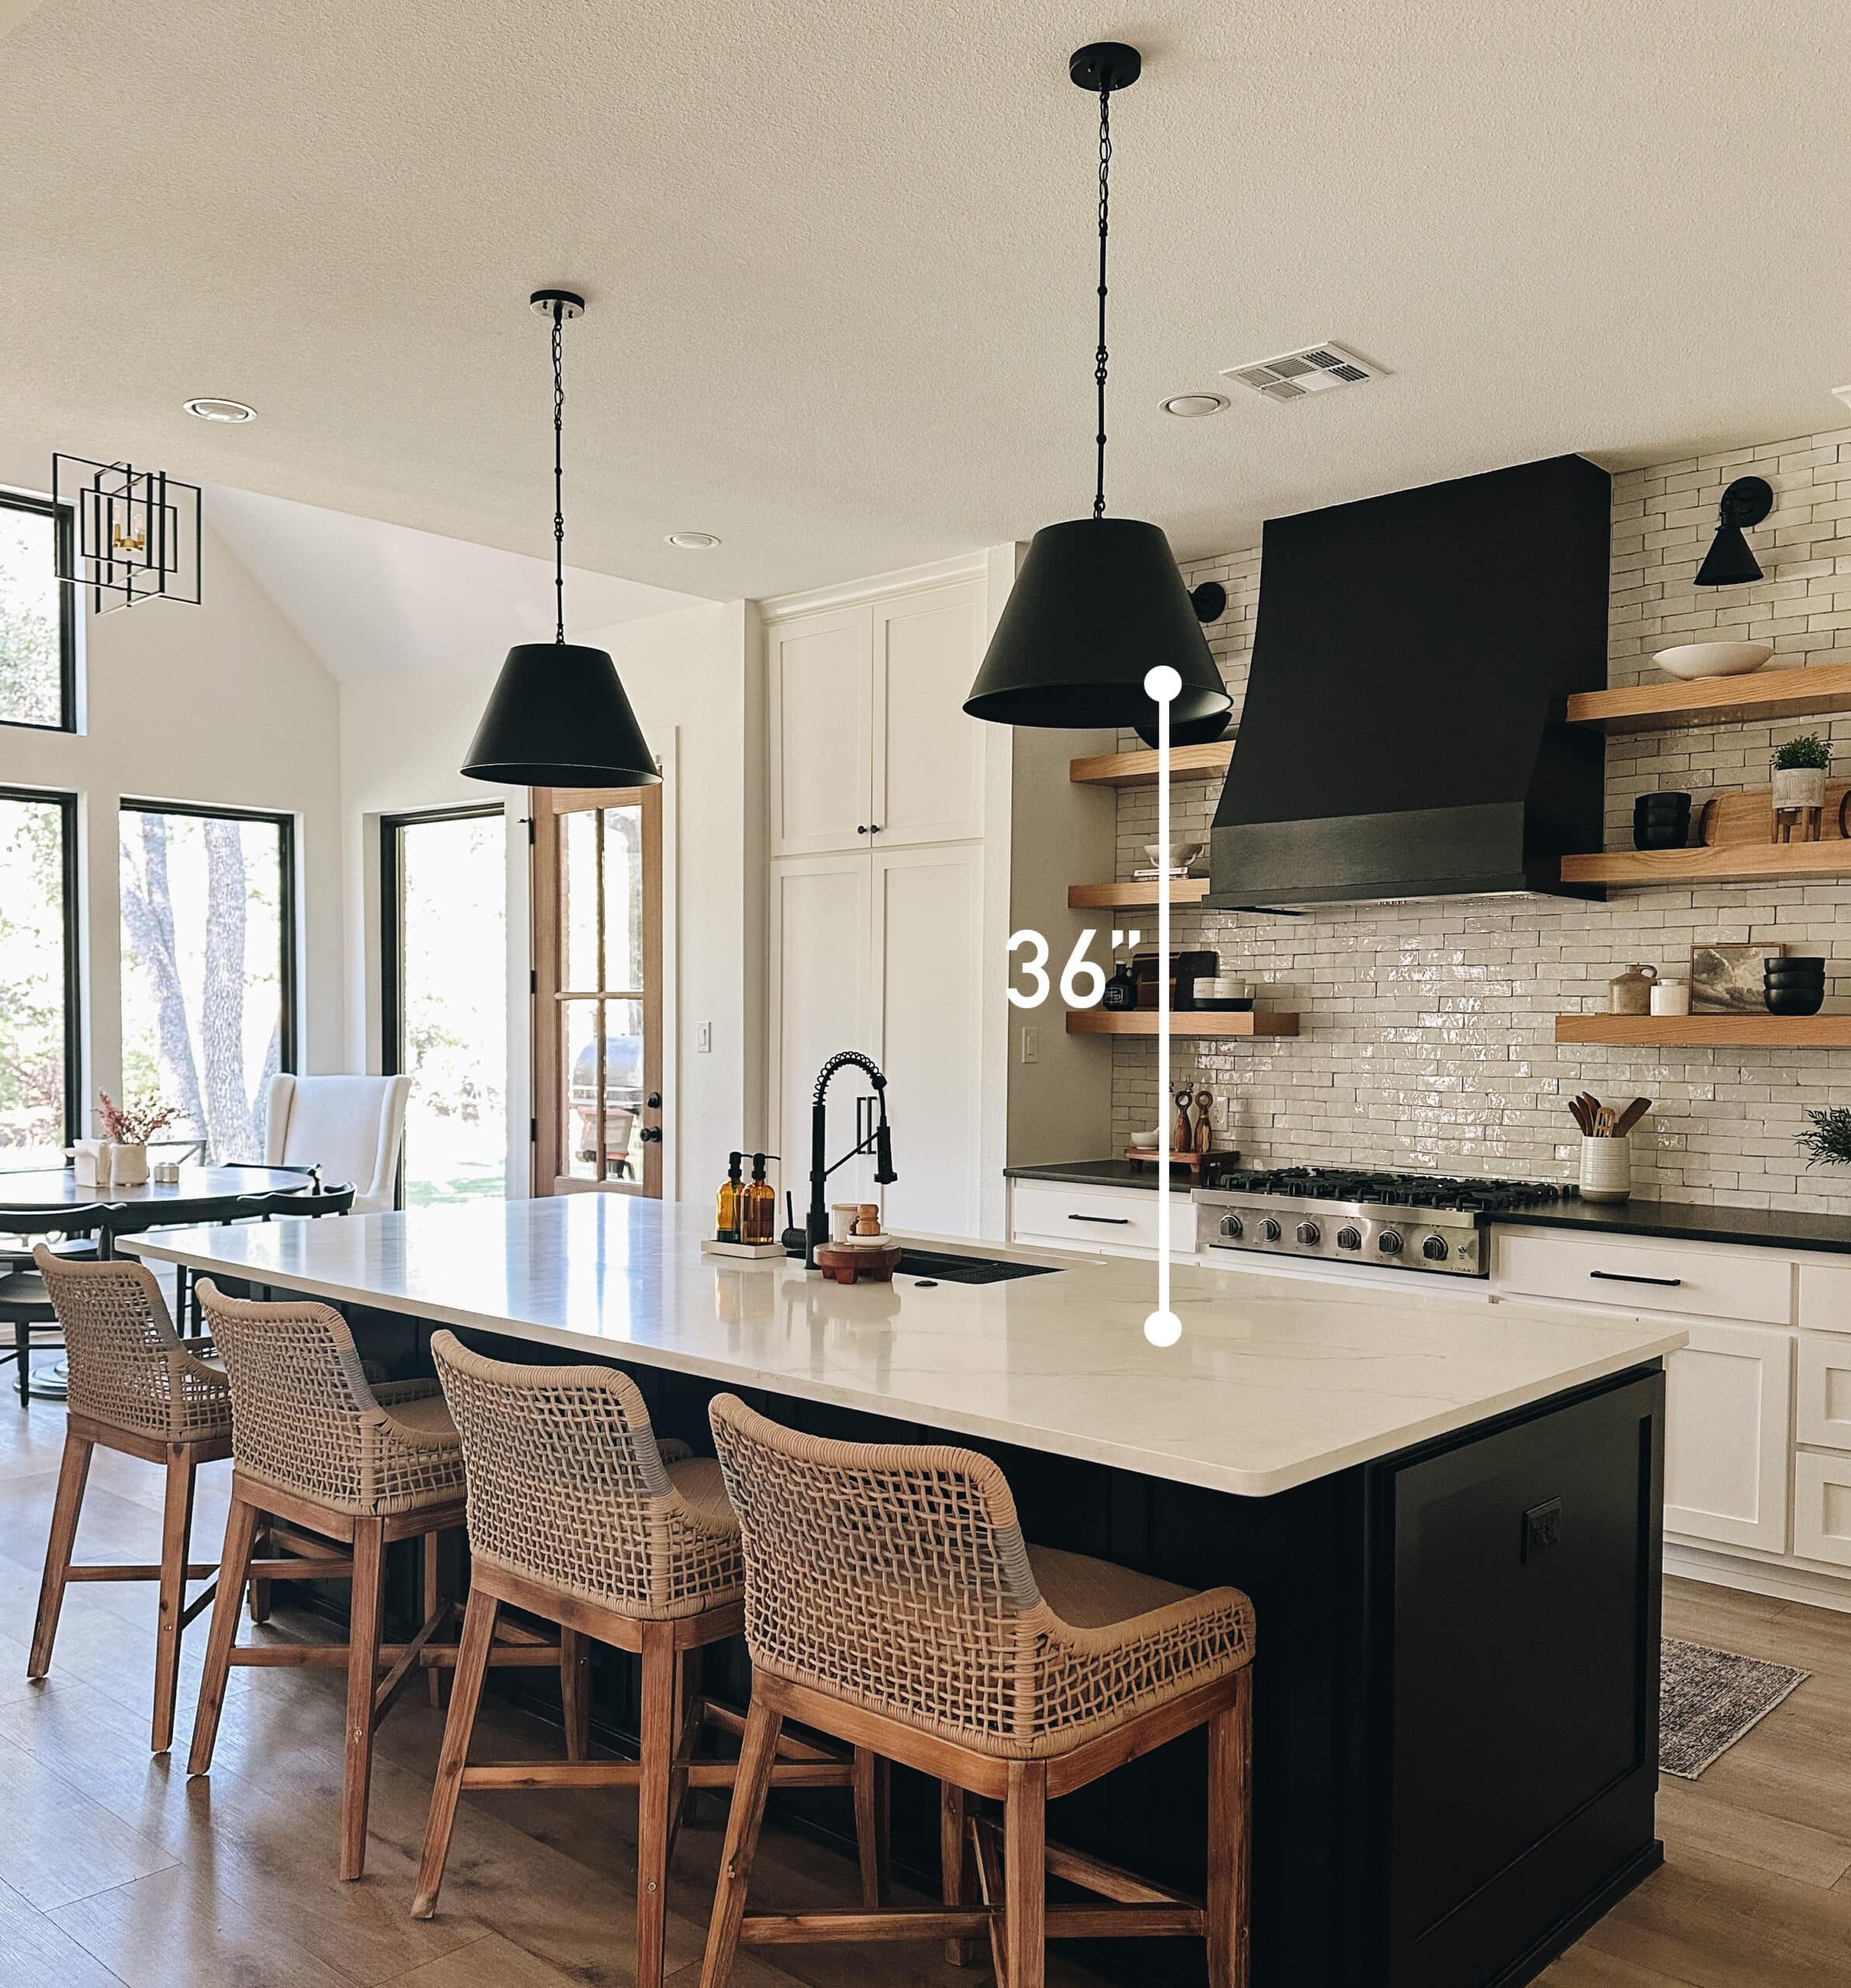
point(546, 805)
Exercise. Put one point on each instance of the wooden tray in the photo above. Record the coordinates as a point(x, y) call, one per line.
point(1148, 1156)
point(846, 1266)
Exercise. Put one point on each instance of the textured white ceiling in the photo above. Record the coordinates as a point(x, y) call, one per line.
point(373, 599)
point(839, 255)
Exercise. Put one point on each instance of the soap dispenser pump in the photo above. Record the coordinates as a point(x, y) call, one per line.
point(726, 1212)
point(758, 1204)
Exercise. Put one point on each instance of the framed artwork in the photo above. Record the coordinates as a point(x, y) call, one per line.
point(1727, 980)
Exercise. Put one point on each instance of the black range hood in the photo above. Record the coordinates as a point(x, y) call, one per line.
point(1404, 733)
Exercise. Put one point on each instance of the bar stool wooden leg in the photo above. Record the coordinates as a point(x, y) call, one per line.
point(260, 1590)
point(465, 1694)
point(575, 1692)
point(873, 1816)
point(954, 1861)
point(241, 1534)
point(363, 1676)
point(1230, 1837)
point(176, 1539)
point(661, 1663)
point(74, 1472)
point(1025, 1874)
point(758, 1752)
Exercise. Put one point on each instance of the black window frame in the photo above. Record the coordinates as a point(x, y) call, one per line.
point(69, 607)
point(72, 922)
point(288, 1042)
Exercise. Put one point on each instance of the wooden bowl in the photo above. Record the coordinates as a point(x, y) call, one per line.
point(876, 1266)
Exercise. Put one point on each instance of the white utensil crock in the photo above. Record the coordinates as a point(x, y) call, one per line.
point(1607, 1169)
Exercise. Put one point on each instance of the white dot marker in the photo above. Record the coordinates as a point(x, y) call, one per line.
point(1162, 683)
point(1163, 1329)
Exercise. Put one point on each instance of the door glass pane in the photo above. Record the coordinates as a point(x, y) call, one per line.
point(620, 830)
point(623, 899)
point(578, 903)
point(202, 971)
point(33, 1023)
point(452, 1007)
point(32, 603)
point(622, 1090)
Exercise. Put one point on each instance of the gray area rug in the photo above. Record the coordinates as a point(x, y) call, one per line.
point(1708, 1699)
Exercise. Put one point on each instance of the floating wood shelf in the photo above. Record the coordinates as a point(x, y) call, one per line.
point(1715, 699)
point(1721, 862)
point(1139, 769)
point(1143, 1021)
point(1708, 1031)
point(1184, 891)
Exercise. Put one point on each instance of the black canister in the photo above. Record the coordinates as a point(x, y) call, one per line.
point(1660, 821)
point(1121, 990)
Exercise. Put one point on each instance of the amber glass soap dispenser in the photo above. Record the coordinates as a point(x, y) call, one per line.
point(727, 1208)
point(759, 1205)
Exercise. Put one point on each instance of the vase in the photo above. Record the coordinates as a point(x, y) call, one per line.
point(1799, 786)
point(128, 1166)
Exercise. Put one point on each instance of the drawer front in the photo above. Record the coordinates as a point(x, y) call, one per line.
point(1098, 1218)
point(1824, 1399)
point(1711, 1281)
point(1825, 1295)
point(1822, 1508)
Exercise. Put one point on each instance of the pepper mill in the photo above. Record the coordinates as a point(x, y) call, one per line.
point(1184, 1140)
point(1204, 1130)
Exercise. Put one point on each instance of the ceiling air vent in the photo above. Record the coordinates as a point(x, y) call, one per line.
point(1315, 369)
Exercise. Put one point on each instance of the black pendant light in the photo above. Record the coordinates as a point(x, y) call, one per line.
point(1099, 601)
point(1728, 562)
point(558, 716)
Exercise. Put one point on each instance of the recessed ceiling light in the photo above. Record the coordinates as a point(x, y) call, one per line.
point(693, 541)
point(1189, 404)
point(212, 410)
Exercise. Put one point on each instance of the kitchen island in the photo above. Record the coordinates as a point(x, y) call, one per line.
point(1447, 1518)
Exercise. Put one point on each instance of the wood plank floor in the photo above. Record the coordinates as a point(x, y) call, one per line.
point(114, 1870)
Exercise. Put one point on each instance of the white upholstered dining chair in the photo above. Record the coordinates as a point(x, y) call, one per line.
point(351, 1128)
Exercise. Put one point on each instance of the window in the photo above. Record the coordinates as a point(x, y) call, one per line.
point(39, 1077)
point(444, 997)
point(208, 966)
point(38, 627)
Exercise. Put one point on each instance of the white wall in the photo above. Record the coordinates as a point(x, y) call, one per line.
point(694, 680)
point(218, 703)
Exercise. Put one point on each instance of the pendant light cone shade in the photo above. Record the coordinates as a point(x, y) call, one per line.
point(1728, 562)
point(557, 717)
point(1099, 602)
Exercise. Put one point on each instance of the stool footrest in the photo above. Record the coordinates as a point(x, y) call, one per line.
point(197, 1570)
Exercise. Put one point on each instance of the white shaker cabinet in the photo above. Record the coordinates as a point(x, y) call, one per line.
point(1729, 1414)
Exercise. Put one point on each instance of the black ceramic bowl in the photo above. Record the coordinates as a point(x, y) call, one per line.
point(1660, 835)
point(1660, 821)
point(1793, 968)
point(1666, 803)
point(1796, 998)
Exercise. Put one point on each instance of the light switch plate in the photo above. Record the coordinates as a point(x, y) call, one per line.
point(703, 1038)
point(1031, 1045)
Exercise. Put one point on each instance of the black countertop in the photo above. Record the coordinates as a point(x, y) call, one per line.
point(1679, 1222)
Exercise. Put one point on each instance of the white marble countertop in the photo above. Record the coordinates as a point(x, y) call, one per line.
point(1274, 1382)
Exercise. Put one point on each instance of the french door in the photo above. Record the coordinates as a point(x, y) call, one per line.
point(597, 990)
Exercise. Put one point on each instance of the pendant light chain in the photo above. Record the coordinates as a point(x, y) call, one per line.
point(559, 466)
point(1099, 358)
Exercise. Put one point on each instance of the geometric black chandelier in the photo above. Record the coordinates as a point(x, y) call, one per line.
point(1099, 602)
point(558, 716)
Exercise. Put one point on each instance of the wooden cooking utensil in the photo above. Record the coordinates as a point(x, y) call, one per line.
point(1630, 1116)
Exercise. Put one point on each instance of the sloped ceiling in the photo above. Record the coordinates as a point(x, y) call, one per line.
point(840, 255)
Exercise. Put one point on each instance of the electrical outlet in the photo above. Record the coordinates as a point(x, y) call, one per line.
point(1031, 1045)
point(703, 1038)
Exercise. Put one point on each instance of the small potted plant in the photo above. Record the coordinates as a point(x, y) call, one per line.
point(1800, 769)
point(1827, 1141)
point(128, 1128)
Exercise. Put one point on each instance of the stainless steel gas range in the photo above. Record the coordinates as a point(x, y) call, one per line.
point(1409, 1222)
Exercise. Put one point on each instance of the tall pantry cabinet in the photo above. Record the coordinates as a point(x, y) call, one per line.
point(875, 915)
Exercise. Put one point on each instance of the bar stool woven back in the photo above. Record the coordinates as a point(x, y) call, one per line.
point(129, 1367)
point(568, 1487)
point(897, 1576)
point(308, 1420)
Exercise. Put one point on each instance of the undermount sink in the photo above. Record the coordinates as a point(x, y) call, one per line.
point(940, 1267)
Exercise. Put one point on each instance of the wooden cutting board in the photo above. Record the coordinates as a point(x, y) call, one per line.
point(1749, 816)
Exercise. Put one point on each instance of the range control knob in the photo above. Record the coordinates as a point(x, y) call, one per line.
point(1389, 1242)
point(1434, 1250)
point(1307, 1233)
point(1269, 1229)
point(1349, 1239)
point(1231, 1227)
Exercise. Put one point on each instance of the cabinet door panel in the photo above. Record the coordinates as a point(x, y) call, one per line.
point(1823, 1409)
point(819, 983)
point(1727, 1420)
point(927, 948)
point(928, 755)
point(821, 724)
point(1822, 1508)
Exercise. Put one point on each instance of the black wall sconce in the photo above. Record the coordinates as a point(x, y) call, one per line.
point(1728, 562)
point(1209, 600)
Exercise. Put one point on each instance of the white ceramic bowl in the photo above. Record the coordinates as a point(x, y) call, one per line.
point(1182, 854)
point(1713, 658)
point(1144, 1141)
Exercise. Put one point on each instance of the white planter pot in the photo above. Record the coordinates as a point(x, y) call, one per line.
point(1799, 786)
point(1607, 1169)
point(128, 1166)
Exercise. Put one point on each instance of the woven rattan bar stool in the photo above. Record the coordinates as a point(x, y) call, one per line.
point(890, 1601)
point(321, 1457)
point(577, 1515)
point(137, 1388)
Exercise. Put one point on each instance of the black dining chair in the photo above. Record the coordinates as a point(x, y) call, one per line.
point(311, 1200)
point(25, 1304)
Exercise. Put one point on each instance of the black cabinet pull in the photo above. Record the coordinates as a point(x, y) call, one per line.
point(1614, 1277)
point(1112, 1220)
